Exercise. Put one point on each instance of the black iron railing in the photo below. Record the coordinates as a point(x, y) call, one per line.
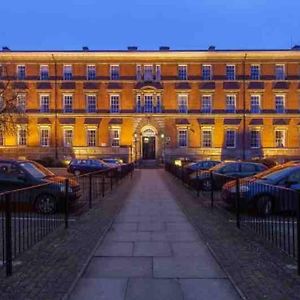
point(271, 211)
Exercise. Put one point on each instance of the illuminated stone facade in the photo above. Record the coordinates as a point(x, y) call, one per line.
point(133, 104)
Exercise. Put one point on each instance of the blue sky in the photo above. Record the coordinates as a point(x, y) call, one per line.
point(180, 24)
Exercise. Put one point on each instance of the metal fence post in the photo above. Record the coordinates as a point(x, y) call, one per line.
point(182, 174)
point(8, 237)
point(103, 186)
point(111, 180)
point(66, 203)
point(238, 223)
point(211, 189)
point(90, 190)
point(197, 183)
point(298, 235)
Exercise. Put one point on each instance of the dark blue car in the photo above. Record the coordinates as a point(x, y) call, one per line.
point(83, 166)
point(273, 191)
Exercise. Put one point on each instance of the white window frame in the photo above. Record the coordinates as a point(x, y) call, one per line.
point(148, 105)
point(228, 74)
point(43, 97)
point(227, 130)
point(42, 138)
point(88, 97)
point(88, 73)
point(205, 145)
point(180, 130)
point(22, 102)
point(67, 76)
point(204, 107)
point(182, 75)
point(258, 75)
point(284, 131)
point(277, 96)
point(91, 142)
point(114, 75)
point(22, 141)
point(113, 105)
point(258, 141)
point(282, 75)
point(19, 77)
point(183, 106)
point(115, 139)
point(230, 97)
point(258, 97)
point(203, 72)
point(64, 102)
point(43, 73)
point(65, 129)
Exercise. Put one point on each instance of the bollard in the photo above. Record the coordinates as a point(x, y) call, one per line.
point(8, 237)
point(238, 224)
point(198, 183)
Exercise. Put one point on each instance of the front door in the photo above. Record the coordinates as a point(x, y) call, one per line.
point(149, 147)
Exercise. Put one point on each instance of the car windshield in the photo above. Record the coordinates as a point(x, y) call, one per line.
point(219, 166)
point(269, 171)
point(276, 176)
point(36, 170)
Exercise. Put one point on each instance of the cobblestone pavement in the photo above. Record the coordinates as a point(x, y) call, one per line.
point(153, 252)
point(48, 269)
point(257, 268)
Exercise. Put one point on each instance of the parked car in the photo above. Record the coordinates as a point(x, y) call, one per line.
point(46, 198)
point(200, 165)
point(113, 162)
point(83, 166)
point(223, 173)
point(268, 192)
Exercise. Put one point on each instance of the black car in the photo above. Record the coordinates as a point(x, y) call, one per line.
point(49, 193)
point(200, 165)
point(268, 192)
point(223, 173)
point(83, 166)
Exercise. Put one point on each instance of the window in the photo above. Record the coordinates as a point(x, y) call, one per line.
point(279, 104)
point(206, 104)
point(280, 138)
point(91, 72)
point(255, 138)
point(68, 103)
point(148, 73)
point(67, 72)
point(1, 137)
point(182, 72)
point(255, 104)
point(139, 73)
point(206, 72)
point(68, 137)
point(248, 168)
point(148, 103)
point(115, 137)
point(183, 103)
point(230, 103)
point(230, 72)
point(138, 103)
point(157, 73)
point(255, 72)
point(21, 102)
point(279, 72)
point(230, 138)
point(44, 103)
point(182, 137)
point(21, 72)
point(114, 104)
point(206, 138)
point(22, 136)
point(91, 101)
point(114, 72)
point(44, 72)
point(91, 137)
point(158, 104)
point(44, 137)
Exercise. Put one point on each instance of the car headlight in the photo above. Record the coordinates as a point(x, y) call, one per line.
point(243, 189)
point(63, 189)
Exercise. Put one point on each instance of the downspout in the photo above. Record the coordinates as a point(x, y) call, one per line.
point(55, 108)
point(244, 106)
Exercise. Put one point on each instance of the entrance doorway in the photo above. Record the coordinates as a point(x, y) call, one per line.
point(148, 146)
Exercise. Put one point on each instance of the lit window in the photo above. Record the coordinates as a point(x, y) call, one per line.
point(148, 108)
point(230, 138)
point(114, 72)
point(148, 73)
point(21, 72)
point(279, 104)
point(67, 75)
point(182, 72)
point(114, 104)
point(91, 137)
point(21, 102)
point(230, 72)
point(255, 104)
point(68, 103)
point(44, 103)
point(91, 72)
point(255, 138)
point(44, 72)
point(182, 137)
point(206, 72)
point(183, 103)
point(230, 103)
point(22, 136)
point(206, 138)
point(44, 137)
point(91, 103)
point(206, 104)
point(280, 138)
point(115, 137)
point(68, 137)
point(279, 72)
point(255, 72)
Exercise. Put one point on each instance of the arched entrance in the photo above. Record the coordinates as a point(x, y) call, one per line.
point(148, 142)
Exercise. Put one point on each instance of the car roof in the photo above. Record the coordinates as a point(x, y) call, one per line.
point(15, 161)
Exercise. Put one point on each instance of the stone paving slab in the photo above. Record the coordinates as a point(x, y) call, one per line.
point(128, 226)
point(115, 249)
point(152, 249)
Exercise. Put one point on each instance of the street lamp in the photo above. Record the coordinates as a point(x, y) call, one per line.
point(135, 146)
point(164, 145)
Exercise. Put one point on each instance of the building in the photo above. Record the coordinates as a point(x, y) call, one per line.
point(154, 104)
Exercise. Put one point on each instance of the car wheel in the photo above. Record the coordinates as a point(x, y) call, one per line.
point(77, 172)
point(206, 185)
point(46, 204)
point(264, 205)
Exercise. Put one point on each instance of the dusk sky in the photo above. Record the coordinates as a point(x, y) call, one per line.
point(180, 24)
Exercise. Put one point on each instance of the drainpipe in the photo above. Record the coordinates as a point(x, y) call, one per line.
point(244, 106)
point(55, 108)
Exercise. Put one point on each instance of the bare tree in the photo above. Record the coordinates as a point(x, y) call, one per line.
point(10, 107)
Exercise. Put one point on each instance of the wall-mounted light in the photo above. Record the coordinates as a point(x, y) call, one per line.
point(162, 136)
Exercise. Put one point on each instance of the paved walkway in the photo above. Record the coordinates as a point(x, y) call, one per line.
point(153, 252)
